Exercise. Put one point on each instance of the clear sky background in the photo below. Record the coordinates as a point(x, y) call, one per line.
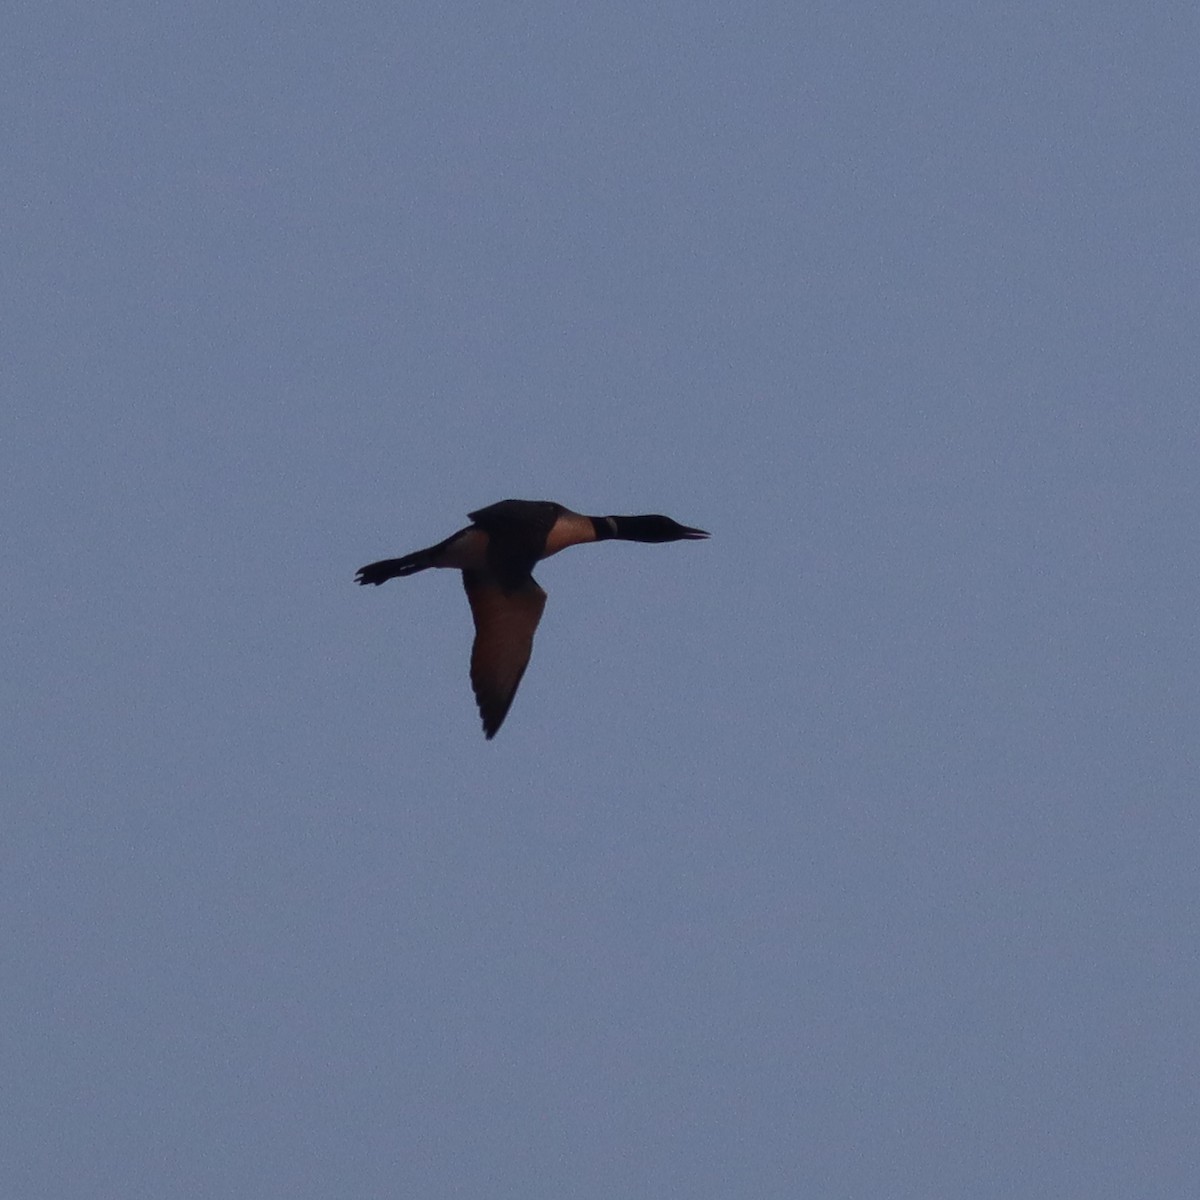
point(850, 854)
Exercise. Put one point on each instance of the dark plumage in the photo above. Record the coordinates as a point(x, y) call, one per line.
point(496, 554)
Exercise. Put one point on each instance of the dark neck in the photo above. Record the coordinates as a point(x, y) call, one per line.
point(650, 527)
point(605, 527)
point(632, 529)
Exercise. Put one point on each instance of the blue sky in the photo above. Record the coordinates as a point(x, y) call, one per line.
point(851, 853)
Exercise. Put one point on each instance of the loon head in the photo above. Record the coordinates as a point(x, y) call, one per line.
point(653, 528)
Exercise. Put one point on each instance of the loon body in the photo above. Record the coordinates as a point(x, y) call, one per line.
point(496, 554)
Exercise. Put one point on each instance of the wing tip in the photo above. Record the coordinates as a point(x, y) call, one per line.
point(492, 720)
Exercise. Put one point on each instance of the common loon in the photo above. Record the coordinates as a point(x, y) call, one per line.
point(496, 554)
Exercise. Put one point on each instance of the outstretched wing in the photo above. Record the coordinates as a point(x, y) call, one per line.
point(505, 622)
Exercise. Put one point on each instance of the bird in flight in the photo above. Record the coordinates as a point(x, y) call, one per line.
point(496, 554)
